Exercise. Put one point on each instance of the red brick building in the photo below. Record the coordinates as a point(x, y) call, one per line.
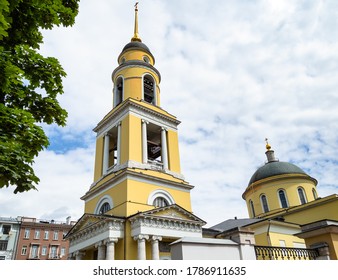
point(42, 239)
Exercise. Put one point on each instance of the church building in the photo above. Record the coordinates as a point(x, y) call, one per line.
point(139, 201)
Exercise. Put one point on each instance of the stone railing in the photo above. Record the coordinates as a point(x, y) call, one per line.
point(285, 253)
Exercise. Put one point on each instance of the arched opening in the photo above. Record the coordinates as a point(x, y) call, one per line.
point(149, 89)
point(105, 207)
point(160, 198)
point(160, 202)
point(252, 209)
point(301, 195)
point(282, 199)
point(314, 192)
point(264, 202)
point(118, 91)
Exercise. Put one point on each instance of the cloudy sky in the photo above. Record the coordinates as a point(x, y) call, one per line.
point(233, 71)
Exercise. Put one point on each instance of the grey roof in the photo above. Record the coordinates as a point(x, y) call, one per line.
point(274, 168)
point(233, 223)
point(136, 45)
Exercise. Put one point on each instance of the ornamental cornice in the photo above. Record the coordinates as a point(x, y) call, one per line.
point(95, 229)
point(139, 109)
point(164, 223)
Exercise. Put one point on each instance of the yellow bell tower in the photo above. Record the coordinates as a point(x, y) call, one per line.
point(137, 164)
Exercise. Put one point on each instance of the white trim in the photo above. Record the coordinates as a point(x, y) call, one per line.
point(104, 199)
point(154, 91)
point(160, 193)
point(115, 90)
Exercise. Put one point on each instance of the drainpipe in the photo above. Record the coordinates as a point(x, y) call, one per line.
point(268, 233)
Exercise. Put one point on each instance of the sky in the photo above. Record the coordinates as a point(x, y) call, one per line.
point(234, 72)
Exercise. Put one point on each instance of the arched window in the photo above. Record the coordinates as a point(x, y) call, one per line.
point(160, 198)
point(315, 196)
point(105, 207)
point(149, 89)
point(118, 91)
point(282, 199)
point(301, 195)
point(252, 208)
point(160, 202)
point(264, 202)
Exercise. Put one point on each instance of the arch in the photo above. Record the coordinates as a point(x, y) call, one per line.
point(252, 208)
point(160, 198)
point(149, 89)
point(302, 195)
point(104, 205)
point(264, 203)
point(118, 91)
point(314, 192)
point(282, 198)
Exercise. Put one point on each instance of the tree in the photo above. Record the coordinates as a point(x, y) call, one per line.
point(29, 85)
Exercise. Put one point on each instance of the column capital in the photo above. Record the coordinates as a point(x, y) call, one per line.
point(144, 121)
point(118, 124)
point(110, 240)
point(98, 244)
point(156, 238)
point(164, 128)
point(141, 236)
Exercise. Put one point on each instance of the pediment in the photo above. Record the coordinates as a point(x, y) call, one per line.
point(89, 220)
point(172, 212)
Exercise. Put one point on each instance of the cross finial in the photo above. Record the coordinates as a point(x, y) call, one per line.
point(268, 147)
point(136, 37)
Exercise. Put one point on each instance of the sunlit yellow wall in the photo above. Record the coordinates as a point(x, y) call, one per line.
point(98, 158)
point(131, 139)
point(173, 155)
point(270, 189)
point(330, 239)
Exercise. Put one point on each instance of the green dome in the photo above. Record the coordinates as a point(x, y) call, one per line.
point(275, 168)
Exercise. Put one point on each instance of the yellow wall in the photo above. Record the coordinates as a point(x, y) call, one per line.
point(98, 158)
point(270, 189)
point(173, 151)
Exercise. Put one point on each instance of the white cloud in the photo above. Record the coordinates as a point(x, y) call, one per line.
point(234, 72)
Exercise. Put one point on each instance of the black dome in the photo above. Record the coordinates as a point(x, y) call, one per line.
point(274, 168)
point(136, 45)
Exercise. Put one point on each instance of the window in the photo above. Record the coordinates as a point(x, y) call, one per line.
point(24, 250)
point(63, 252)
point(314, 193)
point(160, 202)
point(252, 208)
point(37, 234)
point(55, 235)
point(35, 251)
point(46, 234)
point(118, 91)
point(3, 245)
point(104, 208)
point(149, 89)
point(301, 195)
point(264, 203)
point(6, 229)
point(44, 251)
point(53, 252)
point(282, 199)
point(26, 235)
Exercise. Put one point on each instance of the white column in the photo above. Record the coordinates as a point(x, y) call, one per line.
point(118, 159)
point(105, 154)
point(101, 251)
point(144, 142)
point(79, 255)
point(155, 251)
point(164, 148)
point(141, 246)
point(110, 243)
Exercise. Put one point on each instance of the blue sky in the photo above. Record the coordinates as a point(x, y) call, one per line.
point(234, 72)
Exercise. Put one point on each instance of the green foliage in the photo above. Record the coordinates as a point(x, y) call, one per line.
point(29, 85)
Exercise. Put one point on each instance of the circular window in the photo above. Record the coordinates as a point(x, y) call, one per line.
point(146, 59)
point(123, 60)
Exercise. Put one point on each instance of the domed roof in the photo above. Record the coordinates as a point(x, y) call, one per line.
point(136, 45)
point(274, 168)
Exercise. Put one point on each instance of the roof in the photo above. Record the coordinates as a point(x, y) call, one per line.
point(135, 45)
point(275, 168)
point(233, 223)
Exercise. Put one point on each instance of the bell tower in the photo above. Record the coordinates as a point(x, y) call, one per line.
point(137, 163)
